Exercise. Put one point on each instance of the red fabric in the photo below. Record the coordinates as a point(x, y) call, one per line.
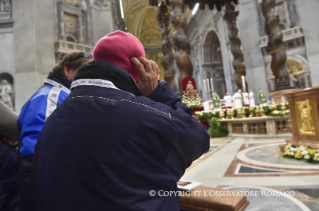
point(185, 82)
point(118, 47)
point(197, 109)
point(203, 122)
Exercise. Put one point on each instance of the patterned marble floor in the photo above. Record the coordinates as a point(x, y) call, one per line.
point(257, 165)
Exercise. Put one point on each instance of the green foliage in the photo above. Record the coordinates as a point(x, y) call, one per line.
point(215, 130)
point(246, 111)
point(266, 109)
point(210, 115)
point(217, 114)
point(235, 112)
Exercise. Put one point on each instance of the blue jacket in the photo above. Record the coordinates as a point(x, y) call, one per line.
point(106, 149)
point(31, 120)
point(37, 109)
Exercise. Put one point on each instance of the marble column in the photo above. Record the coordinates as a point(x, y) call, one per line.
point(240, 69)
point(255, 66)
point(308, 16)
point(34, 46)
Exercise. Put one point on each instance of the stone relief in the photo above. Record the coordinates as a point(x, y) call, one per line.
point(70, 23)
point(6, 93)
point(101, 3)
point(5, 6)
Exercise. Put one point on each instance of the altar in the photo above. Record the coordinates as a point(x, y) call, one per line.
point(304, 111)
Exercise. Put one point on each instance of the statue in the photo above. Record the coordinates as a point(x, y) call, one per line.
point(216, 101)
point(306, 118)
point(190, 98)
point(7, 5)
point(190, 91)
point(6, 93)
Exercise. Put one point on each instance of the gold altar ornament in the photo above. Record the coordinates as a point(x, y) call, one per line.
point(305, 118)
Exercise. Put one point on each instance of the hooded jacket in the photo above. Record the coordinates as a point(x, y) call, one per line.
point(106, 147)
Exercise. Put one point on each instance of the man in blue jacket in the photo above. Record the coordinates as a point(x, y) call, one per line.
point(37, 110)
point(120, 135)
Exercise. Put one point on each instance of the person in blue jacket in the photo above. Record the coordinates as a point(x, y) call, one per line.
point(118, 138)
point(37, 110)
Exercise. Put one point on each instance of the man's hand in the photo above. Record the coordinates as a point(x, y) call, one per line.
point(148, 71)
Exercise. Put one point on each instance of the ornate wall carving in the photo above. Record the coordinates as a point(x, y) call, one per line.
point(70, 26)
point(101, 4)
point(72, 21)
point(5, 5)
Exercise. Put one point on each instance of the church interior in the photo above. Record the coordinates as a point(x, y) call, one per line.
point(209, 52)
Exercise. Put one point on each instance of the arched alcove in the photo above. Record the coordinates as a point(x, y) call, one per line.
point(212, 64)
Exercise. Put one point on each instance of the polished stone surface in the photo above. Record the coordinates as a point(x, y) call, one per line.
point(264, 200)
point(257, 165)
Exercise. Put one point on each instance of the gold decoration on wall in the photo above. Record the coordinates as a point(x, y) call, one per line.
point(70, 24)
point(294, 67)
point(73, 1)
point(141, 21)
point(151, 38)
point(305, 118)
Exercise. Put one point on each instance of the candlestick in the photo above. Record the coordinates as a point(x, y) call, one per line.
point(243, 82)
point(211, 83)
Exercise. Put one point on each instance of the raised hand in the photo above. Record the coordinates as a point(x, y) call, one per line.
point(148, 71)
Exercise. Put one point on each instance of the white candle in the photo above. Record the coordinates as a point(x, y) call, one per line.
point(243, 82)
point(204, 86)
point(211, 83)
point(208, 88)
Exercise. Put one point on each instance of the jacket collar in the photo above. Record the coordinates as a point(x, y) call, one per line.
point(105, 70)
point(59, 79)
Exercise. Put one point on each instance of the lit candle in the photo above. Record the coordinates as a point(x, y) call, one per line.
point(208, 85)
point(204, 85)
point(211, 83)
point(243, 82)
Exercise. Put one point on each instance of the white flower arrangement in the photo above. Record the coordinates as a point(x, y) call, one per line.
point(192, 103)
point(309, 154)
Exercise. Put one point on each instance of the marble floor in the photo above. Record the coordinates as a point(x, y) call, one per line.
point(251, 164)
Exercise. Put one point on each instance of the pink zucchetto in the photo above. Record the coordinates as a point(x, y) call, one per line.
point(118, 47)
